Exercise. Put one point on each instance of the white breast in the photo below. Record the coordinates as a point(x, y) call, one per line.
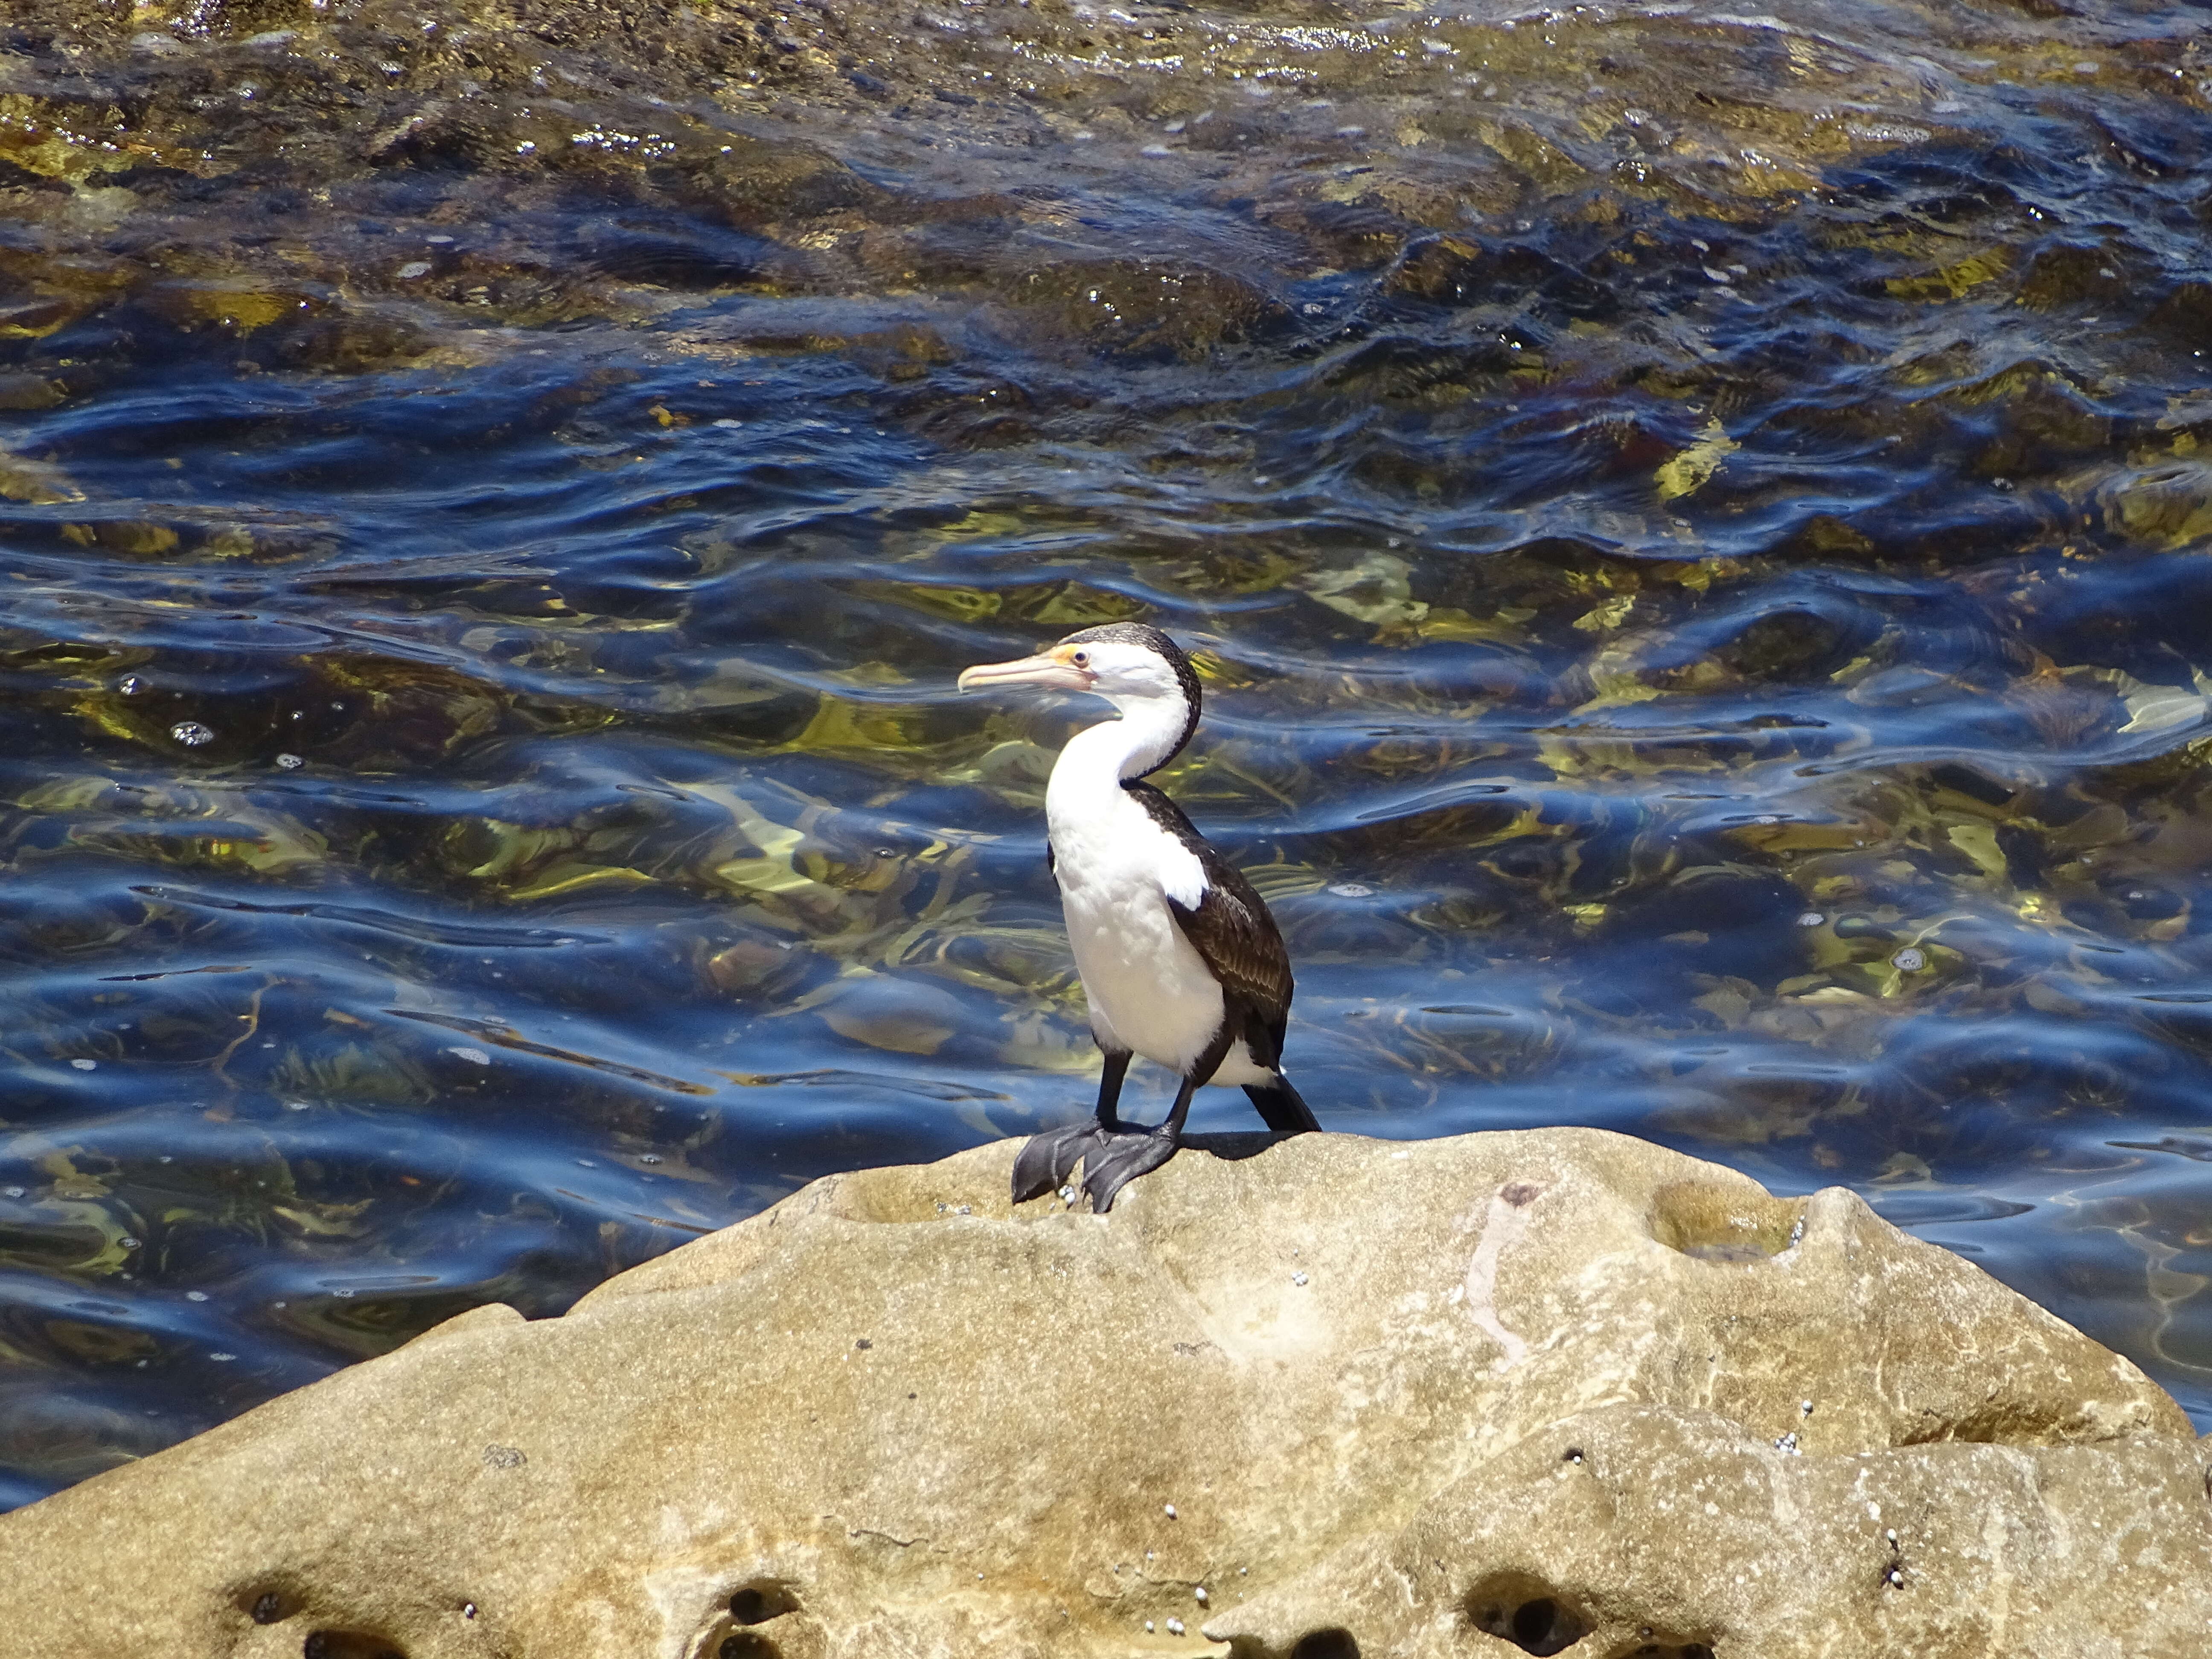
point(1150, 991)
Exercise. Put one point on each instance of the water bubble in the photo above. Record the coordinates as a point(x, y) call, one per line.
point(290, 763)
point(192, 734)
point(1352, 889)
point(131, 686)
point(1911, 960)
point(1811, 919)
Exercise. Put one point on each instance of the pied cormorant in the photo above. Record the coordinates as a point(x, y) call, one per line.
point(1180, 960)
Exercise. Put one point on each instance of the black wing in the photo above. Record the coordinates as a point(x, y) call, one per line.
point(1231, 929)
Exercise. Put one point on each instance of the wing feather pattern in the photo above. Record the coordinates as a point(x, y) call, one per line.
point(1231, 931)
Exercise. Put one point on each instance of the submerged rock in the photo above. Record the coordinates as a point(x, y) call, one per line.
point(1526, 1392)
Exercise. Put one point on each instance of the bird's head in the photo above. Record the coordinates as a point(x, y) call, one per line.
point(1122, 662)
point(1133, 666)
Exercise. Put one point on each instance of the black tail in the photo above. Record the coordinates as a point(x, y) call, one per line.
point(1283, 1107)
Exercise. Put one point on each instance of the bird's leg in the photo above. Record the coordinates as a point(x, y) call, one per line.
point(1110, 1092)
point(1045, 1164)
point(1134, 1153)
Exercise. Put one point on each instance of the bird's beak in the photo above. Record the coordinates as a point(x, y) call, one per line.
point(1049, 669)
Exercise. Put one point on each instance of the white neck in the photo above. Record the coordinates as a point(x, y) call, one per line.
point(1149, 732)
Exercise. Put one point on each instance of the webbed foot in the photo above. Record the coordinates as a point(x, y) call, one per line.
point(1044, 1165)
point(1118, 1159)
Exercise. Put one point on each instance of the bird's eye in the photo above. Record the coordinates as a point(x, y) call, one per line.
point(1081, 660)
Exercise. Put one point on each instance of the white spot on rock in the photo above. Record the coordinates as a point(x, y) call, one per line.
point(1503, 1226)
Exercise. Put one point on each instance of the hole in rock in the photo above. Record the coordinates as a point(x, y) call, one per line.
point(1715, 1222)
point(266, 1609)
point(755, 1604)
point(1326, 1644)
point(747, 1645)
point(1527, 1612)
point(1666, 1648)
point(347, 1644)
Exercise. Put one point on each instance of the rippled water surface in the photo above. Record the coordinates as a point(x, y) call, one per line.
point(1696, 529)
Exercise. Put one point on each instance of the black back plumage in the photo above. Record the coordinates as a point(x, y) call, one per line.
point(1233, 933)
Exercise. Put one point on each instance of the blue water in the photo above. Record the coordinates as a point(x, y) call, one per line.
point(476, 816)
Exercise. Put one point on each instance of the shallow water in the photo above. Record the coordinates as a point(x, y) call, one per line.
point(1698, 529)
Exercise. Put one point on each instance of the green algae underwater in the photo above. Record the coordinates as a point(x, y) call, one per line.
point(1696, 527)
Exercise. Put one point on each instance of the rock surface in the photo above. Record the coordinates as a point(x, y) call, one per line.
point(1534, 1392)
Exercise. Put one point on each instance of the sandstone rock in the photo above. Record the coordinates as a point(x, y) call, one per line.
point(1536, 1392)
